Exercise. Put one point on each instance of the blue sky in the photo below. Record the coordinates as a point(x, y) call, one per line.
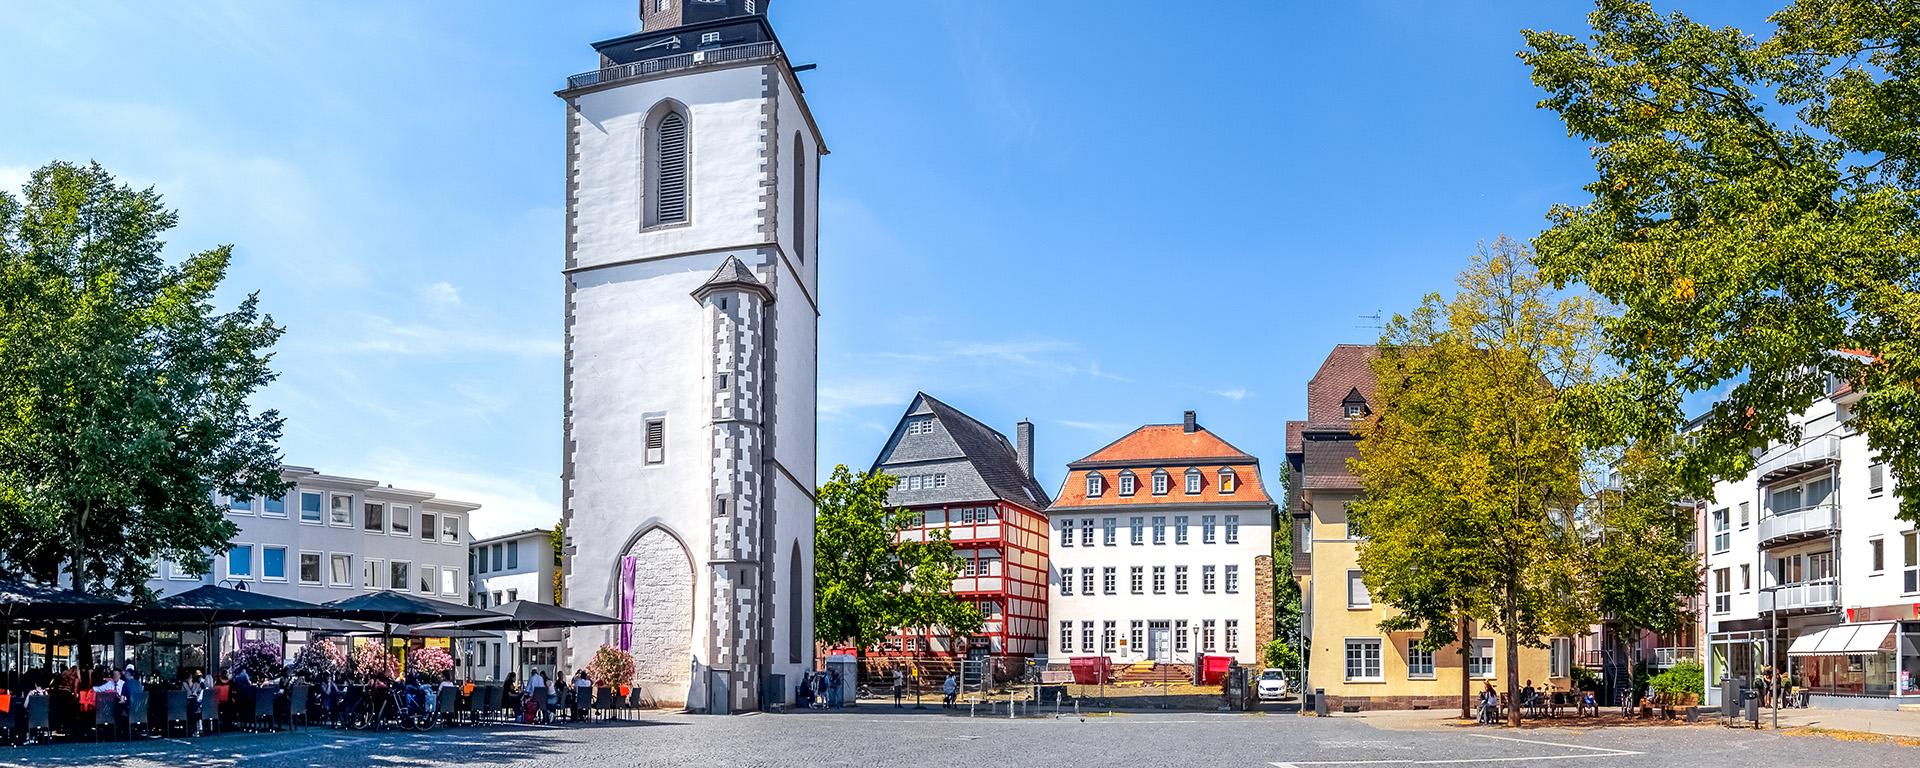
point(1092, 215)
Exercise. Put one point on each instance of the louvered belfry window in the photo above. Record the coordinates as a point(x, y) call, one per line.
point(656, 441)
point(670, 170)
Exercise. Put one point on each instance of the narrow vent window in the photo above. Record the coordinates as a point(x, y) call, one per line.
point(670, 187)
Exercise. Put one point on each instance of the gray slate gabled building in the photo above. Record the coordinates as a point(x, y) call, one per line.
point(964, 477)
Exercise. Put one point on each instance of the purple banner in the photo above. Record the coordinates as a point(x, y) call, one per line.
point(626, 603)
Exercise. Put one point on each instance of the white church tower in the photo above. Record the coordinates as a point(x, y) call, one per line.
point(692, 309)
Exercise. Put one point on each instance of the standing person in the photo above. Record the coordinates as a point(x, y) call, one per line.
point(536, 697)
point(835, 696)
point(510, 693)
point(949, 689)
point(899, 686)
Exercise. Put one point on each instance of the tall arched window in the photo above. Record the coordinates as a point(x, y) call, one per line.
point(799, 199)
point(668, 166)
point(796, 614)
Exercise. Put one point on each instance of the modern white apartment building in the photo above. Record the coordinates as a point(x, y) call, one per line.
point(332, 537)
point(514, 566)
point(1808, 542)
point(1162, 550)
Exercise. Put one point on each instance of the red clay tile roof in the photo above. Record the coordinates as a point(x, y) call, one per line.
point(1169, 447)
point(1294, 427)
point(1347, 368)
point(1155, 442)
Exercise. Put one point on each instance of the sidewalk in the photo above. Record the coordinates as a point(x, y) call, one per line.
point(1875, 721)
point(1884, 722)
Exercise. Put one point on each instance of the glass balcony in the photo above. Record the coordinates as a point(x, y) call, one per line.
point(1799, 525)
point(1789, 460)
point(1807, 596)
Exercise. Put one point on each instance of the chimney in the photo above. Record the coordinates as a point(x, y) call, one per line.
point(1023, 447)
point(1192, 423)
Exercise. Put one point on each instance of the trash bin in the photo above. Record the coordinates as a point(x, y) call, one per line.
point(1320, 702)
point(1752, 701)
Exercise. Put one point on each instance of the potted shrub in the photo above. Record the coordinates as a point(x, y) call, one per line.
point(429, 660)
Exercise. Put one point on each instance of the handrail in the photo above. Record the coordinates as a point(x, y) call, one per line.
point(1817, 449)
point(686, 60)
point(1814, 518)
point(1820, 593)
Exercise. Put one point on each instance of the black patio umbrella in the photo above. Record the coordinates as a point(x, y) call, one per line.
point(390, 608)
point(212, 604)
point(526, 615)
point(317, 625)
point(22, 602)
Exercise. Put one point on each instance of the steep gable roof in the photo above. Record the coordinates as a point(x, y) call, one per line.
point(1163, 443)
point(987, 451)
point(1347, 370)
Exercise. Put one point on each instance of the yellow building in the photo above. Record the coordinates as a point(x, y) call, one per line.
point(1350, 657)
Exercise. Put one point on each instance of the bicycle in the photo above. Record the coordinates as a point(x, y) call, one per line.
point(403, 705)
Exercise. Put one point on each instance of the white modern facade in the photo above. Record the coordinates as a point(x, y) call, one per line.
point(332, 537)
point(692, 305)
point(514, 566)
point(1808, 543)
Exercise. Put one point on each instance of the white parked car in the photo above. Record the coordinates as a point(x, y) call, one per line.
point(1272, 685)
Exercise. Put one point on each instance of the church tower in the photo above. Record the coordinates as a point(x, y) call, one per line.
point(691, 328)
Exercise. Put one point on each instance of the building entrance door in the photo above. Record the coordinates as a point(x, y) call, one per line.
point(1159, 641)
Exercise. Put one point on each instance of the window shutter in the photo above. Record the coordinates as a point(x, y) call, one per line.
point(670, 190)
point(656, 442)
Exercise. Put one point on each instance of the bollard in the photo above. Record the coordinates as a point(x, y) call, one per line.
point(1320, 702)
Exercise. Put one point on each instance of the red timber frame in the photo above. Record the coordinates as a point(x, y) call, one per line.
point(1022, 627)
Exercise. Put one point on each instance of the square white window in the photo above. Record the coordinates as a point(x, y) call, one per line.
point(341, 509)
point(340, 571)
point(273, 563)
point(402, 520)
point(310, 568)
point(1480, 666)
point(312, 507)
point(1419, 662)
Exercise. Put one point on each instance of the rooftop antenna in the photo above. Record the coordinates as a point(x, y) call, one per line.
point(1374, 323)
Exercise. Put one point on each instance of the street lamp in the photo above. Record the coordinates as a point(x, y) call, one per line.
point(1773, 637)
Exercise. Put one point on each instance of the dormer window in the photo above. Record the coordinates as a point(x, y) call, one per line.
point(1355, 405)
point(1127, 482)
point(1356, 410)
point(1228, 480)
point(1096, 484)
point(1159, 482)
point(920, 426)
point(710, 38)
point(1193, 481)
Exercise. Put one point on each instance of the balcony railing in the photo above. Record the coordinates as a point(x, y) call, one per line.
point(686, 60)
point(1790, 459)
point(1807, 595)
point(1664, 658)
point(1800, 524)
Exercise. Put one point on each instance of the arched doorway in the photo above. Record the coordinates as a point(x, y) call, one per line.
point(661, 614)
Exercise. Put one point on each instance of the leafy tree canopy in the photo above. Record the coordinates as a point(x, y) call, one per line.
point(123, 393)
point(1753, 215)
point(867, 582)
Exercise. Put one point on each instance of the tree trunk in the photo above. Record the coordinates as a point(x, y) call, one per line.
point(1466, 665)
point(1513, 678)
point(1633, 687)
point(79, 576)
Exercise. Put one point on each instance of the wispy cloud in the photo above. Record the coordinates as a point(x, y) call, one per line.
point(384, 336)
point(1094, 370)
point(1235, 394)
point(1103, 427)
point(442, 293)
point(508, 501)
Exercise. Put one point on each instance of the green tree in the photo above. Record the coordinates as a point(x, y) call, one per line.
point(557, 539)
point(1469, 475)
point(1284, 651)
point(867, 582)
point(1756, 209)
point(123, 393)
point(1640, 570)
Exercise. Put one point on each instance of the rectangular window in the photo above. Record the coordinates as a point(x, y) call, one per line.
point(1746, 577)
point(656, 441)
point(370, 573)
point(1066, 533)
point(1206, 529)
point(402, 520)
point(1159, 529)
point(1159, 483)
point(1722, 538)
point(340, 573)
point(1086, 581)
point(920, 426)
point(311, 507)
point(1137, 636)
point(240, 561)
point(1136, 530)
point(240, 505)
point(1419, 662)
point(1179, 579)
point(273, 563)
point(1207, 637)
point(512, 595)
point(429, 526)
point(1109, 637)
point(1876, 478)
point(1745, 514)
point(1481, 664)
point(373, 517)
point(1086, 637)
point(1233, 580)
point(1193, 483)
point(274, 506)
point(1233, 529)
point(1180, 636)
point(1911, 584)
point(1127, 481)
point(1066, 637)
point(1877, 554)
point(513, 555)
point(1066, 581)
point(1363, 659)
point(449, 529)
point(1357, 596)
point(399, 575)
point(1179, 529)
point(1232, 631)
point(1207, 580)
point(1109, 580)
point(1136, 579)
point(1159, 579)
point(1086, 532)
point(342, 508)
point(498, 563)
point(310, 568)
point(1560, 657)
point(1722, 589)
point(429, 579)
point(1109, 531)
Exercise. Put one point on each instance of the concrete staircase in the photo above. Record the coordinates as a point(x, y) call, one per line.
point(1151, 672)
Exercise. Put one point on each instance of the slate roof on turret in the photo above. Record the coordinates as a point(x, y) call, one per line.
point(983, 449)
point(732, 274)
